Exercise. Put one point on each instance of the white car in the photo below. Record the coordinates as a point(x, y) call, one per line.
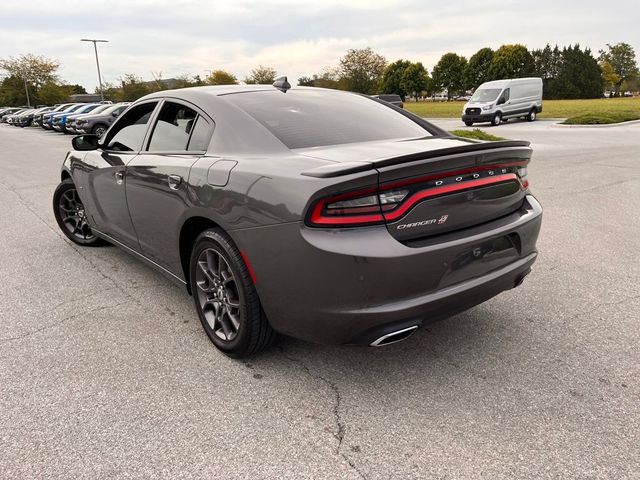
point(502, 99)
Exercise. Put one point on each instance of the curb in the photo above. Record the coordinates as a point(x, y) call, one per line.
point(604, 125)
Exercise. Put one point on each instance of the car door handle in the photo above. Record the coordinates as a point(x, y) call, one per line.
point(119, 177)
point(174, 181)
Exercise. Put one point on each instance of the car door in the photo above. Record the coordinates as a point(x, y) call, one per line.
point(507, 107)
point(157, 180)
point(101, 175)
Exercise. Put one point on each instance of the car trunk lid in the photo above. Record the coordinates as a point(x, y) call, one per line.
point(435, 185)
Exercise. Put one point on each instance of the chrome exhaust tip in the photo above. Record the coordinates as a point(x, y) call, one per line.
point(394, 337)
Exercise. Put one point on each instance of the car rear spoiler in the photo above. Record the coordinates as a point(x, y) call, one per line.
point(347, 168)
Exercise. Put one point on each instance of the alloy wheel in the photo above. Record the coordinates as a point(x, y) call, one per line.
point(218, 294)
point(73, 215)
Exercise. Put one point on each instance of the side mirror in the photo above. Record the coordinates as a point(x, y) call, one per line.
point(85, 142)
point(115, 114)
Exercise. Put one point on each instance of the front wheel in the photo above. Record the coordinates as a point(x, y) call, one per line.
point(497, 119)
point(225, 297)
point(532, 115)
point(71, 217)
point(468, 123)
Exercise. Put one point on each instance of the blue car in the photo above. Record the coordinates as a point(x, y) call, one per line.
point(47, 118)
point(59, 120)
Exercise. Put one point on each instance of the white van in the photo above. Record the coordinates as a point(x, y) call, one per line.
point(501, 99)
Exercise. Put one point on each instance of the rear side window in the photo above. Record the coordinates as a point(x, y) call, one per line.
point(127, 134)
point(173, 128)
point(200, 136)
point(313, 118)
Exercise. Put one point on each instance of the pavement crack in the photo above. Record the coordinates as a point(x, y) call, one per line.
point(59, 234)
point(60, 322)
point(341, 427)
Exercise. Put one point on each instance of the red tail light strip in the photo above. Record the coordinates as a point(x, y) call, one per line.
point(376, 216)
point(432, 192)
point(402, 183)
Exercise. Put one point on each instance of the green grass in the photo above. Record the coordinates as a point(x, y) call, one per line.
point(625, 107)
point(602, 118)
point(476, 134)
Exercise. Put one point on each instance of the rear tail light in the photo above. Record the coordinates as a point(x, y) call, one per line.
point(390, 202)
point(522, 175)
point(354, 208)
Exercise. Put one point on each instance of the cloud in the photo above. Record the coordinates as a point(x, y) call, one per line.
point(295, 37)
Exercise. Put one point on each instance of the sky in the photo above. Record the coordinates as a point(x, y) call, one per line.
point(166, 38)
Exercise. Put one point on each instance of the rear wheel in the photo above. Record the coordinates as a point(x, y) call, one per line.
point(99, 130)
point(468, 123)
point(532, 115)
point(497, 119)
point(225, 297)
point(71, 217)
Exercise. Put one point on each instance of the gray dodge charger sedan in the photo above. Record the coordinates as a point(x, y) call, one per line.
point(320, 214)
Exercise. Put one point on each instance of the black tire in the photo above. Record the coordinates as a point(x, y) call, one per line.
point(497, 119)
point(99, 129)
point(532, 115)
point(215, 297)
point(69, 213)
point(468, 123)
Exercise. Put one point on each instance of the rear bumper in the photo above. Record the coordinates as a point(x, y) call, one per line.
point(341, 286)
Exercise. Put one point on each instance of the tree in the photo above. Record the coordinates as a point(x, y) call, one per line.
point(361, 70)
point(132, 88)
point(392, 78)
point(415, 79)
point(185, 81)
point(36, 70)
point(511, 61)
point(448, 74)
point(477, 69)
point(220, 77)
point(51, 93)
point(12, 91)
point(76, 89)
point(622, 58)
point(32, 70)
point(546, 62)
point(262, 75)
point(305, 81)
point(578, 76)
point(609, 77)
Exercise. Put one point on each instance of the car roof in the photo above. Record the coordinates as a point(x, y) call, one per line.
point(509, 81)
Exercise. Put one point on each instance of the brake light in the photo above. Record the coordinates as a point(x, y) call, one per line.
point(522, 175)
point(390, 202)
point(353, 208)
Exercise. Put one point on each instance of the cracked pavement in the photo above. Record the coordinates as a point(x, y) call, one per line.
point(105, 371)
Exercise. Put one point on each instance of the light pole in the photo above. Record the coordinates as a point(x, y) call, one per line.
point(95, 48)
point(26, 91)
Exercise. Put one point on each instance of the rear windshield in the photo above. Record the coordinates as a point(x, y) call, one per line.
point(314, 118)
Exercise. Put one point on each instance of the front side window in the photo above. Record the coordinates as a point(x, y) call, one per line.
point(505, 95)
point(127, 134)
point(173, 128)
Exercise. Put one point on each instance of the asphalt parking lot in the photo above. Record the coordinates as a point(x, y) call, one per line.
point(105, 371)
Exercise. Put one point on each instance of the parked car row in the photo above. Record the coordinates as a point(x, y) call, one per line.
point(73, 118)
